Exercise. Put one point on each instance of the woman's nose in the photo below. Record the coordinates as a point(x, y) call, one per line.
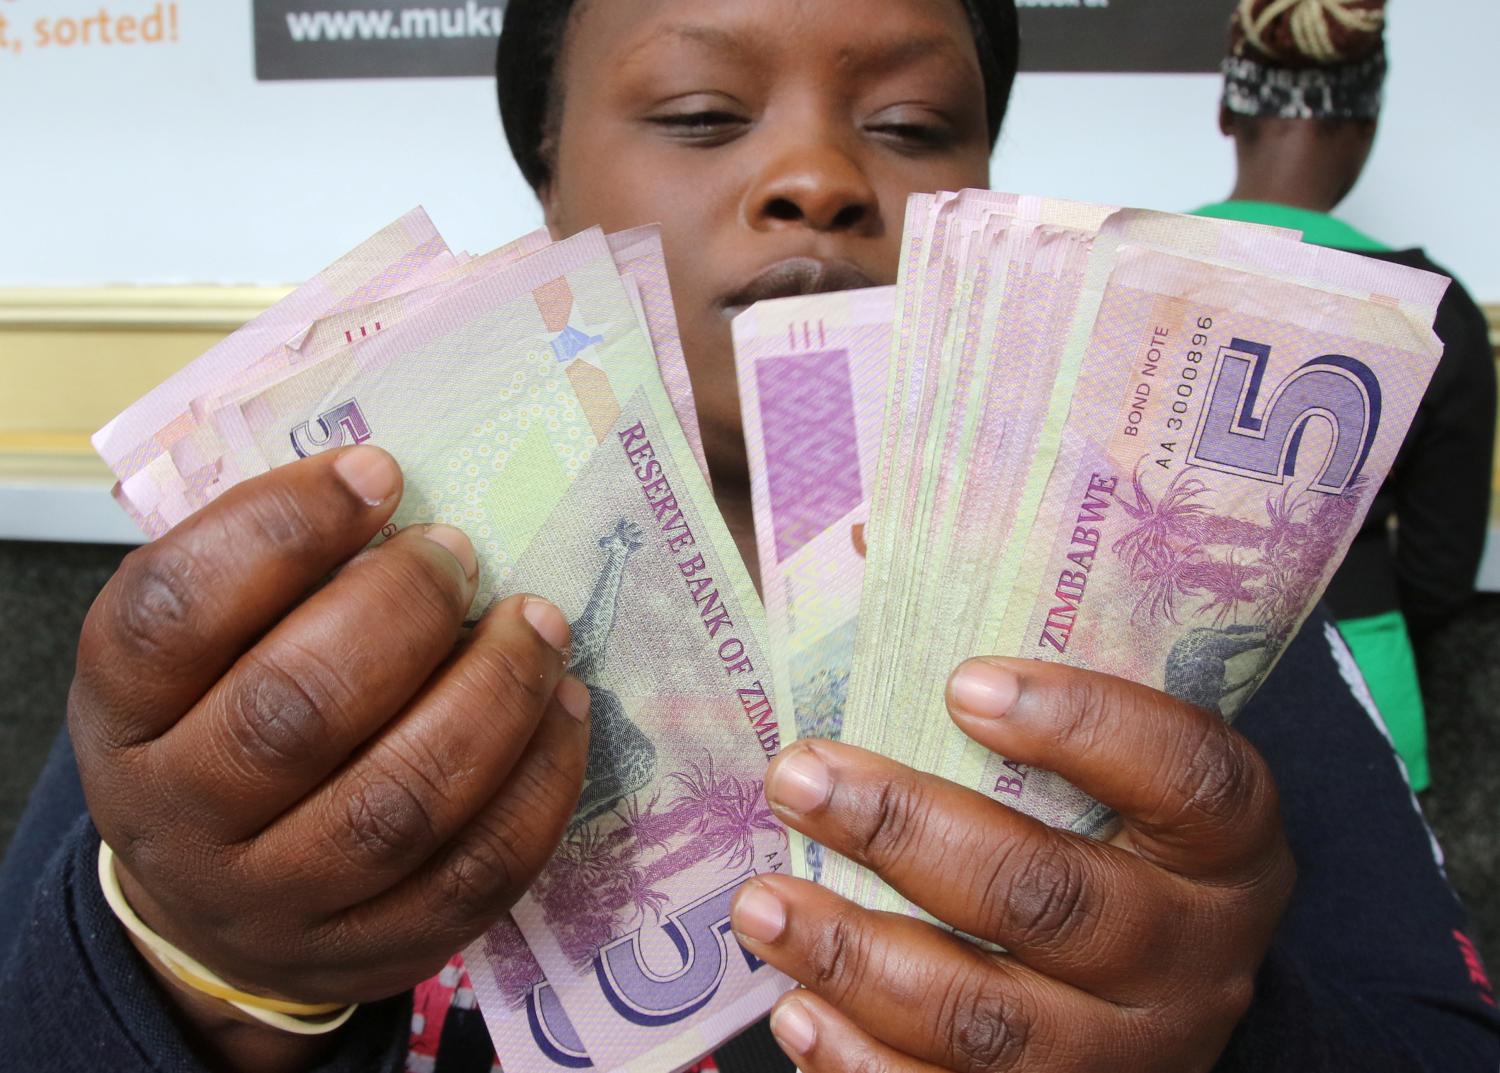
point(820, 187)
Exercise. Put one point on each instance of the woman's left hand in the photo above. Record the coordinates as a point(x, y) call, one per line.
point(1135, 956)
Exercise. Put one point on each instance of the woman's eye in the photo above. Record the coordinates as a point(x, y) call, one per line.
point(913, 135)
point(699, 125)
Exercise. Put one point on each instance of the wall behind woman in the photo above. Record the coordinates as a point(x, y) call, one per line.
point(169, 161)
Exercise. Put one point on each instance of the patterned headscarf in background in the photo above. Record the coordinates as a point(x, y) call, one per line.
point(1306, 59)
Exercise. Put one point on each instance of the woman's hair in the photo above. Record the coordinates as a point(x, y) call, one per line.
point(1308, 33)
point(531, 44)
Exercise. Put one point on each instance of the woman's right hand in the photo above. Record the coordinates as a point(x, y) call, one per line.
point(316, 789)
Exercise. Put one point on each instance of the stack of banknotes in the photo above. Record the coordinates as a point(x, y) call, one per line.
point(1134, 442)
point(537, 398)
point(1130, 441)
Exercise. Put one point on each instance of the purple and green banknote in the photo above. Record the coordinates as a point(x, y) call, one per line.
point(1129, 441)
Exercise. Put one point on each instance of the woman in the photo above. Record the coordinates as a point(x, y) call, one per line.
point(778, 141)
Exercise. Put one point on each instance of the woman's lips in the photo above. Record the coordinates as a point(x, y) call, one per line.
point(795, 276)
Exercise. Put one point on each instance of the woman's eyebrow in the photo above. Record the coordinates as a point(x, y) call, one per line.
point(716, 38)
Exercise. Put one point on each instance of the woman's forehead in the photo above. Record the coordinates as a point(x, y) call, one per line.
point(859, 36)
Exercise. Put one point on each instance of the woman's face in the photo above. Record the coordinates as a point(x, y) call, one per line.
point(775, 141)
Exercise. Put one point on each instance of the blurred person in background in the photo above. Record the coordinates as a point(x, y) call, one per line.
point(1303, 84)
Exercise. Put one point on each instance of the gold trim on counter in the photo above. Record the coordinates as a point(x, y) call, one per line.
point(72, 358)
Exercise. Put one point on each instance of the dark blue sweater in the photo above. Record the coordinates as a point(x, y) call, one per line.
point(1370, 971)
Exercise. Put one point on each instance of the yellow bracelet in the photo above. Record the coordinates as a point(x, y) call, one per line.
point(305, 1019)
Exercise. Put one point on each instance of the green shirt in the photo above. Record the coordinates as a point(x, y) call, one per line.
point(1318, 228)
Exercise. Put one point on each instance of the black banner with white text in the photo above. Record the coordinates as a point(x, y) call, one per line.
point(298, 39)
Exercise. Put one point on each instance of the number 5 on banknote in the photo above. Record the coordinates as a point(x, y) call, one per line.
point(552, 1030)
point(1344, 392)
point(700, 932)
point(340, 425)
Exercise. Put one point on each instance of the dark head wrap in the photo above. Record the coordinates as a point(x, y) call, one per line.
point(532, 39)
point(1306, 59)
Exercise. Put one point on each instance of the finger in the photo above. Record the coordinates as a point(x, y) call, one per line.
point(181, 610)
point(1071, 908)
point(298, 704)
point(430, 771)
point(820, 1039)
point(920, 990)
point(474, 879)
point(1196, 797)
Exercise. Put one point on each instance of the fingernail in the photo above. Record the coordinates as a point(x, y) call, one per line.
point(793, 1028)
point(547, 621)
point(574, 696)
point(799, 781)
point(983, 690)
point(758, 914)
point(369, 473)
point(456, 544)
